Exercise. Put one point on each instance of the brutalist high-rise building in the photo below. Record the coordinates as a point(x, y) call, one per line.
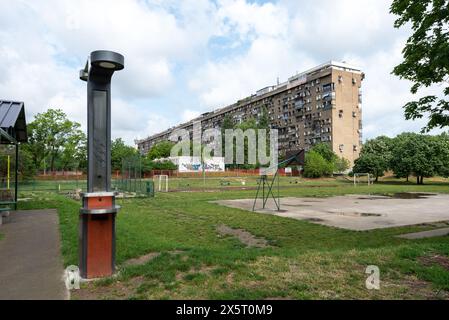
point(323, 104)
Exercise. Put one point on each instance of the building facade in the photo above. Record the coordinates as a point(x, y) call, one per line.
point(323, 104)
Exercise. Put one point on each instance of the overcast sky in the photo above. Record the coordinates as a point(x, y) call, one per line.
point(183, 58)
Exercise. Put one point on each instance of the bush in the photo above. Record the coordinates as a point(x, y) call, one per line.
point(316, 166)
point(341, 165)
point(149, 165)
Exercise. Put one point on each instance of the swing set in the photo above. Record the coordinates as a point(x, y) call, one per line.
point(266, 183)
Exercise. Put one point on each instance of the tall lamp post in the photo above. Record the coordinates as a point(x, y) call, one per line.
point(97, 215)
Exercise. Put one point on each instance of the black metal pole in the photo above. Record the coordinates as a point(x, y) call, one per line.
point(16, 182)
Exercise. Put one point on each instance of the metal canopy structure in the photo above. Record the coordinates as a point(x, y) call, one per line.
point(12, 122)
point(13, 131)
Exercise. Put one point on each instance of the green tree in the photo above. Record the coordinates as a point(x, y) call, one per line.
point(264, 119)
point(49, 134)
point(440, 145)
point(227, 123)
point(326, 152)
point(250, 124)
point(26, 165)
point(81, 155)
point(426, 57)
point(369, 163)
point(120, 151)
point(73, 151)
point(160, 150)
point(375, 157)
point(316, 166)
point(337, 164)
point(342, 164)
point(415, 154)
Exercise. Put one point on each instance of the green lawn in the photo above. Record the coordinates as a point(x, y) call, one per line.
point(303, 260)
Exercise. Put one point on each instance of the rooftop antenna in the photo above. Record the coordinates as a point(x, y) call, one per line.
point(277, 80)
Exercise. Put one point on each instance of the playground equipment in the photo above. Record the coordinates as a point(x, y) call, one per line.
point(357, 178)
point(12, 133)
point(265, 184)
point(97, 215)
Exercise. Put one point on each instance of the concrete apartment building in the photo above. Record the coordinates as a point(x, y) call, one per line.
point(323, 104)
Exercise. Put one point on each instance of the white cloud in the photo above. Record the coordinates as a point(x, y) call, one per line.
point(42, 54)
point(267, 59)
point(251, 19)
point(155, 124)
point(188, 115)
point(360, 33)
point(225, 49)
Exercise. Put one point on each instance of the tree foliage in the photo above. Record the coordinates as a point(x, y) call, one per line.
point(420, 155)
point(375, 157)
point(54, 137)
point(316, 166)
point(426, 57)
point(160, 150)
point(334, 163)
point(326, 152)
point(119, 152)
point(407, 154)
point(342, 165)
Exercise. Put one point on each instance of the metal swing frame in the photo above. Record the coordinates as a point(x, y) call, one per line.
point(296, 158)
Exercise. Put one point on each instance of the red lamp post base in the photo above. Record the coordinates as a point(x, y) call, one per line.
point(97, 235)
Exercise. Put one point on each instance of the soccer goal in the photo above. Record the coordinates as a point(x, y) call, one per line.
point(362, 178)
point(162, 182)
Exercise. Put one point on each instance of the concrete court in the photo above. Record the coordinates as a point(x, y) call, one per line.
point(31, 265)
point(357, 212)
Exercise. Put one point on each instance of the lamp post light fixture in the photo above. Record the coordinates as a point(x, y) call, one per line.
point(97, 215)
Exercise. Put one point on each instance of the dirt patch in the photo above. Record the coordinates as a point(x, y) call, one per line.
point(116, 290)
point(421, 289)
point(244, 236)
point(142, 259)
point(148, 257)
point(442, 261)
point(205, 270)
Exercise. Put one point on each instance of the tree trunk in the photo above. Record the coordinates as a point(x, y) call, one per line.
point(417, 179)
point(407, 178)
point(52, 163)
point(421, 180)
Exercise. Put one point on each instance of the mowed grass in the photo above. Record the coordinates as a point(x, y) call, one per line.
point(192, 260)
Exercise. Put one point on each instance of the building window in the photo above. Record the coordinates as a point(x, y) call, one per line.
point(341, 147)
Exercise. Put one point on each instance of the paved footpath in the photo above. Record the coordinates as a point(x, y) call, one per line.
point(30, 257)
point(425, 234)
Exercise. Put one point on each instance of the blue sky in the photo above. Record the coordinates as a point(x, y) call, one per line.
point(187, 57)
